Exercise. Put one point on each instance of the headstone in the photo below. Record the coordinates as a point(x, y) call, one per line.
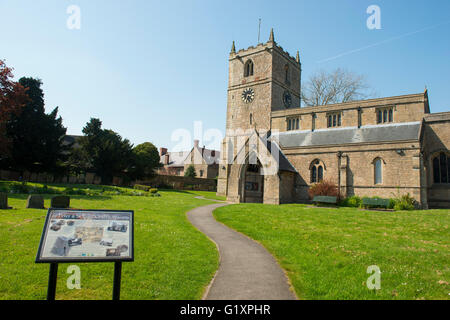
point(4, 201)
point(60, 202)
point(35, 202)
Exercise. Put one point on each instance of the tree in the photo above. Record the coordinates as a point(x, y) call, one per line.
point(37, 137)
point(190, 172)
point(103, 152)
point(13, 98)
point(337, 86)
point(145, 160)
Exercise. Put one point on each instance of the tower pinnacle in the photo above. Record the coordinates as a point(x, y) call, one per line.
point(297, 58)
point(271, 38)
point(233, 48)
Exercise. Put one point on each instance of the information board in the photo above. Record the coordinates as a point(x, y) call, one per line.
point(87, 235)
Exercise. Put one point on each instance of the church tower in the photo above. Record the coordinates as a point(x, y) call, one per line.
point(261, 79)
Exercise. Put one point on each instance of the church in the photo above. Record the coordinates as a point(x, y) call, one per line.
point(274, 149)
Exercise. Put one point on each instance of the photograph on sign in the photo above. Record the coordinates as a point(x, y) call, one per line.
point(86, 235)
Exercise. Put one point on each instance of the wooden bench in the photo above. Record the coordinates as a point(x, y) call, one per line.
point(370, 202)
point(325, 200)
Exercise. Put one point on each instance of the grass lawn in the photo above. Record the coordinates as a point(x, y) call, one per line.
point(172, 259)
point(207, 195)
point(326, 252)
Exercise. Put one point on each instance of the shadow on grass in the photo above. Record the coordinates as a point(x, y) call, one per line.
point(20, 196)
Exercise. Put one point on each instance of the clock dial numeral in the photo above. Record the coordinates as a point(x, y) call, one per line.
point(287, 99)
point(248, 95)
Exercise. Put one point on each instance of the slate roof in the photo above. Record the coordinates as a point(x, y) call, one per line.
point(283, 162)
point(348, 135)
point(177, 159)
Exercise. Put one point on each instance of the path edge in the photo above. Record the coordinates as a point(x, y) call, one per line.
point(209, 285)
point(288, 280)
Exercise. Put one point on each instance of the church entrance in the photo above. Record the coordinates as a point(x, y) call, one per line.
point(253, 183)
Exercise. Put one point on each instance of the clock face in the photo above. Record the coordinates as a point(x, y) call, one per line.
point(248, 95)
point(287, 99)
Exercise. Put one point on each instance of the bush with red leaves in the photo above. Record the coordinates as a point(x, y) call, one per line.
point(323, 188)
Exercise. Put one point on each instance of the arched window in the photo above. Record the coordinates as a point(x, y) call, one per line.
point(286, 74)
point(379, 116)
point(378, 171)
point(320, 173)
point(317, 171)
point(441, 168)
point(248, 68)
point(314, 174)
point(385, 118)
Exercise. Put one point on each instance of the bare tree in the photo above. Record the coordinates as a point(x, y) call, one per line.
point(337, 86)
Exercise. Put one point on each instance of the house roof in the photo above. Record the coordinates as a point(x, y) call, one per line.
point(349, 135)
point(177, 159)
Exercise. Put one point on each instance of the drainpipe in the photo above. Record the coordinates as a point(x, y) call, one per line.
point(339, 156)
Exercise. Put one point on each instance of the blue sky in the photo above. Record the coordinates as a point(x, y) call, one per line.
point(147, 68)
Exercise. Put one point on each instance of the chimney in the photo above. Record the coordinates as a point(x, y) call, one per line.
point(213, 153)
point(196, 142)
point(162, 151)
point(203, 150)
point(166, 158)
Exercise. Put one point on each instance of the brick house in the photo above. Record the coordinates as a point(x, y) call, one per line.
point(205, 161)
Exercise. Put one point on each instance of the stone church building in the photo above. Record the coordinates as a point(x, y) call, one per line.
point(379, 147)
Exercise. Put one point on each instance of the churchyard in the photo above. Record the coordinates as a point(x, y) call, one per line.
point(173, 259)
point(324, 251)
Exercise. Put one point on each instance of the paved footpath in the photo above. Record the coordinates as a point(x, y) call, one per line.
point(247, 271)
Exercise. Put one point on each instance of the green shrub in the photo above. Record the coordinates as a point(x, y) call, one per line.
point(141, 187)
point(190, 172)
point(16, 187)
point(391, 203)
point(153, 190)
point(353, 201)
point(405, 202)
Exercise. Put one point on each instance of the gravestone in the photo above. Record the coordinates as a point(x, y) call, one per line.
point(4, 201)
point(35, 202)
point(60, 202)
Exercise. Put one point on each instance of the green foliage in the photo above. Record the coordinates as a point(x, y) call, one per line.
point(153, 190)
point(141, 187)
point(353, 202)
point(145, 160)
point(102, 151)
point(405, 202)
point(36, 137)
point(14, 187)
point(190, 172)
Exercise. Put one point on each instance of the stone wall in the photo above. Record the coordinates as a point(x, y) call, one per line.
point(436, 136)
point(175, 182)
point(400, 172)
point(42, 177)
point(180, 183)
point(409, 108)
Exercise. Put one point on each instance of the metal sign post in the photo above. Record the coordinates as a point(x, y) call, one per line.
point(117, 280)
point(52, 277)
